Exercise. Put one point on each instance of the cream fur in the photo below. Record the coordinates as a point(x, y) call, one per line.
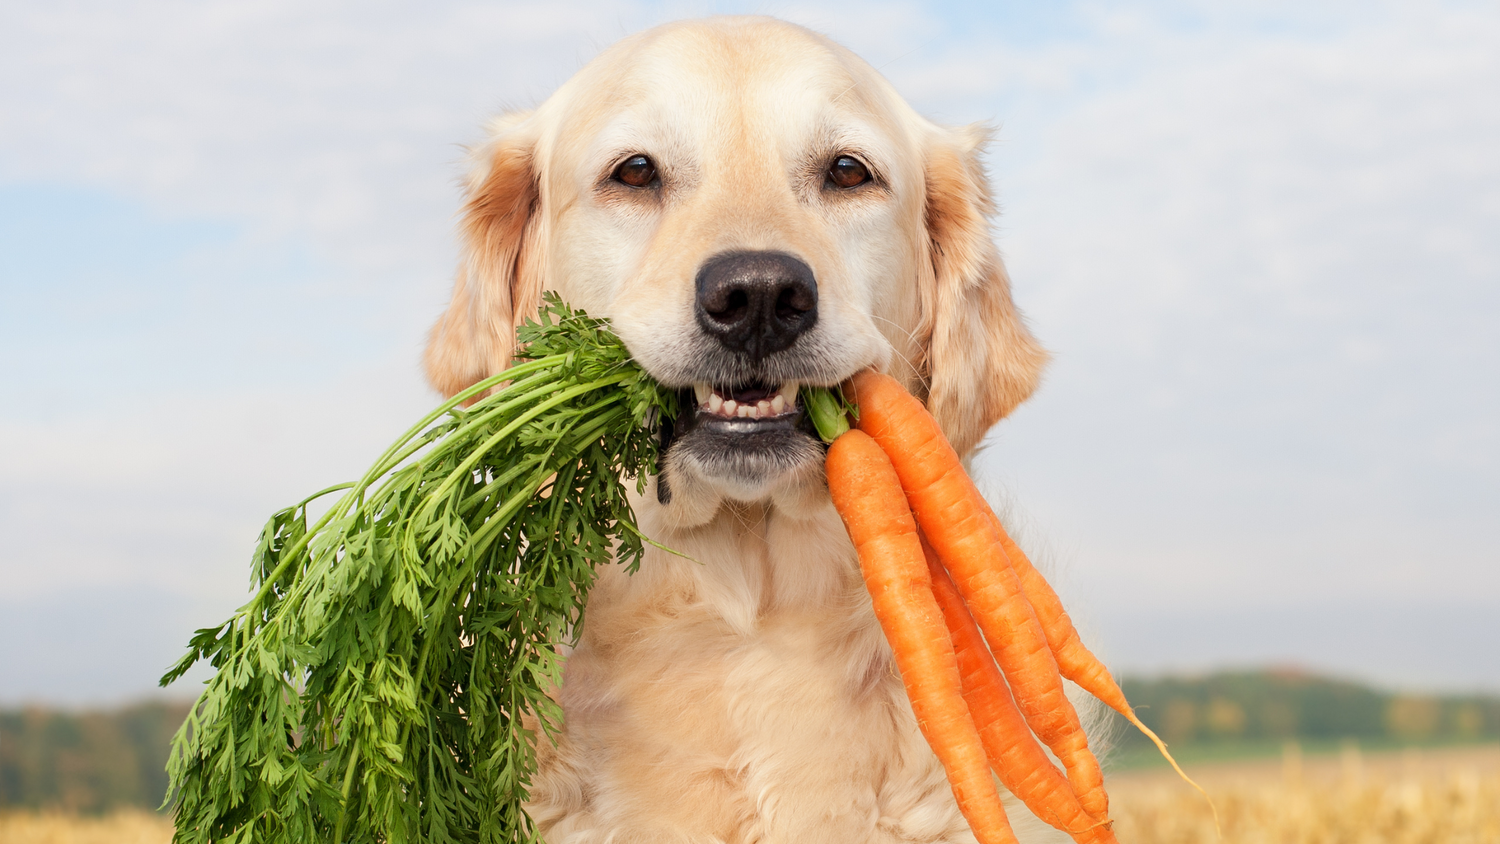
point(745, 695)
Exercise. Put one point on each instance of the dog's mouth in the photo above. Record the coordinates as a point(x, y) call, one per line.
point(754, 402)
point(755, 416)
point(744, 435)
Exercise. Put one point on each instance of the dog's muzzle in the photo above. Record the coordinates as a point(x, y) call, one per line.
point(751, 307)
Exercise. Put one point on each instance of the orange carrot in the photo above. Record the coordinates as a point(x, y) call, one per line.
point(1013, 752)
point(867, 495)
point(958, 523)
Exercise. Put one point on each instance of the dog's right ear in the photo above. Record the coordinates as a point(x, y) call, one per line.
point(499, 280)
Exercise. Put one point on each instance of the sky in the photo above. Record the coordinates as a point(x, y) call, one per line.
point(1262, 241)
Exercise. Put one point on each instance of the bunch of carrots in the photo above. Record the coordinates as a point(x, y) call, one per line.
point(980, 638)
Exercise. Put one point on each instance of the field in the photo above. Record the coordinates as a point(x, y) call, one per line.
point(1444, 796)
point(134, 826)
point(1441, 796)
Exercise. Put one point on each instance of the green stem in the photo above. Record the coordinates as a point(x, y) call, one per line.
point(322, 492)
point(480, 413)
point(512, 374)
point(519, 469)
point(518, 393)
point(628, 526)
point(829, 413)
point(478, 541)
point(515, 471)
point(338, 829)
point(467, 466)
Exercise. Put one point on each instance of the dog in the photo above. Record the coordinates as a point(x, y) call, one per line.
point(752, 207)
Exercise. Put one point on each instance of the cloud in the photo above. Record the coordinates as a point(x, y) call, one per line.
point(1267, 263)
point(338, 122)
point(1261, 239)
point(172, 491)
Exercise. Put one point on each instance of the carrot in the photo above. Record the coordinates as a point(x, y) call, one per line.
point(959, 524)
point(1013, 752)
point(868, 497)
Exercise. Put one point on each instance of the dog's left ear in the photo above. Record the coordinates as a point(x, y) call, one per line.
point(980, 359)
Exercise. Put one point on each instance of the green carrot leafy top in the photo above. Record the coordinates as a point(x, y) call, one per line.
point(372, 688)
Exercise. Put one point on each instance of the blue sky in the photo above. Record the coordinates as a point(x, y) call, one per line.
point(1262, 241)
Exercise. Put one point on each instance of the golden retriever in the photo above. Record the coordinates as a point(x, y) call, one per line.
point(752, 207)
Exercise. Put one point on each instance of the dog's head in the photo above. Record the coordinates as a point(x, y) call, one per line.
point(752, 207)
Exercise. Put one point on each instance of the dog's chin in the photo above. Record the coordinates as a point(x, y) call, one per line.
point(709, 458)
point(747, 459)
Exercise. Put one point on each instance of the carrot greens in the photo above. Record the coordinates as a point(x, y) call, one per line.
point(372, 689)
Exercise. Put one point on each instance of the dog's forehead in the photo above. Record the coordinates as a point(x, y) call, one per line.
point(752, 83)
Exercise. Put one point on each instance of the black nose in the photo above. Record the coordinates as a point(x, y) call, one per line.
point(756, 303)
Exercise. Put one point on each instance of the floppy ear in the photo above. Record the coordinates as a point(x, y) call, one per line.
point(499, 280)
point(980, 359)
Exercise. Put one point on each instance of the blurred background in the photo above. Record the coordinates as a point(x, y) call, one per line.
point(1261, 239)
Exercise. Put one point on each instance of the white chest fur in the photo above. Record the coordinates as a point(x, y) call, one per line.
point(745, 695)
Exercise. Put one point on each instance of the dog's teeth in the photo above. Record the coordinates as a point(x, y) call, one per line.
point(788, 394)
point(711, 401)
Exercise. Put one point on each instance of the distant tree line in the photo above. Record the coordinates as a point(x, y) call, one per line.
point(96, 761)
point(1291, 704)
point(86, 762)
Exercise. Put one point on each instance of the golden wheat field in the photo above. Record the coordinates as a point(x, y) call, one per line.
point(1449, 796)
point(129, 827)
point(1416, 797)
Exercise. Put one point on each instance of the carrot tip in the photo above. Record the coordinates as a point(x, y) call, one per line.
point(1162, 746)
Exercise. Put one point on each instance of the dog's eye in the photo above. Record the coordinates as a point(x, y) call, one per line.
point(847, 172)
point(638, 171)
